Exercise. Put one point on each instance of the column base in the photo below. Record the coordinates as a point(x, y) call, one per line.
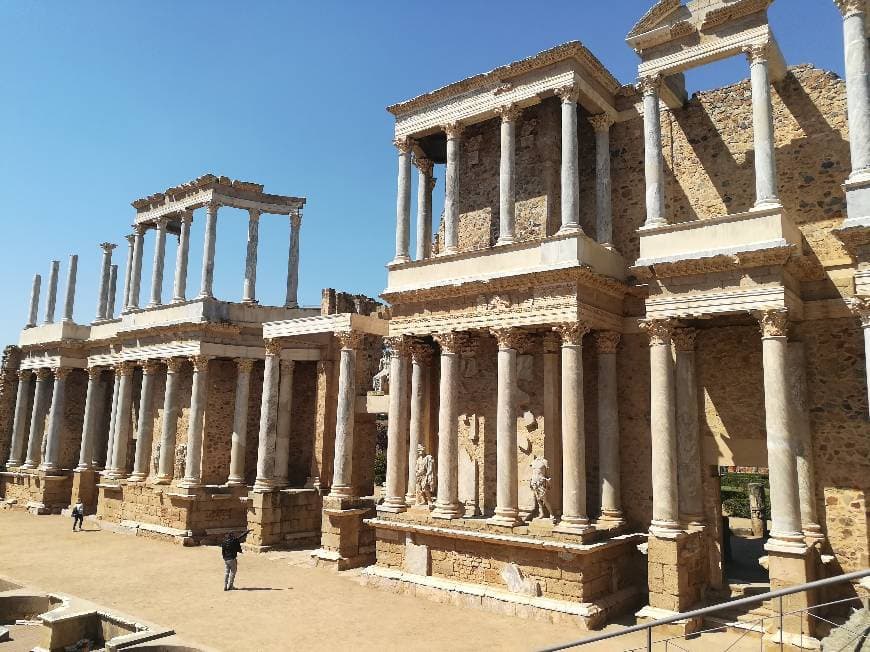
point(393, 506)
point(49, 468)
point(342, 492)
point(448, 511)
point(294, 304)
point(398, 260)
point(450, 250)
point(137, 477)
point(505, 518)
point(190, 483)
point(574, 525)
point(813, 533)
point(789, 540)
point(153, 305)
point(654, 223)
point(504, 241)
point(610, 519)
point(162, 479)
point(766, 204)
point(568, 229)
point(250, 302)
point(262, 486)
point(665, 529)
point(235, 482)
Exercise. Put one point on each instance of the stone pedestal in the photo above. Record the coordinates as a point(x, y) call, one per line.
point(36, 491)
point(289, 518)
point(84, 487)
point(346, 541)
point(790, 566)
point(677, 574)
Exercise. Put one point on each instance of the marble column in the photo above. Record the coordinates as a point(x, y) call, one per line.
point(421, 360)
point(265, 480)
point(145, 430)
point(574, 516)
point(603, 201)
point(249, 289)
point(19, 423)
point(861, 308)
point(397, 427)
point(113, 418)
point(169, 430)
point(113, 288)
point(552, 418)
point(342, 474)
point(570, 175)
point(101, 425)
point(206, 289)
point(128, 272)
point(451, 190)
point(606, 345)
point(159, 259)
point(447, 504)
point(285, 422)
point(782, 440)
point(507, 172)
point(507, 489)
point(403, 201)
point(762, 127)
point(122, 420)
point(180, 287)
point(689, 459)
point(292, 299)
point(41, 398)
point(663, 427)
point(857, 83)
point(240, 421)
point(654, 165)
point(33, 311)
point(70, 299)
point(51, 463)
point(89, 423)
point(105, 278)
point(51, 300)
point(198, 400)
point(425, 185)
point(136, 274)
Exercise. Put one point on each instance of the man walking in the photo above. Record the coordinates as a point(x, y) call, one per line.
point(78, 514)
point(230, 549)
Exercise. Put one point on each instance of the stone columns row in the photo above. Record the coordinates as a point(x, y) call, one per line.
point(861, 308)
point(51, 301)
point(276, 418)
point(41, 446)
point(857, 84)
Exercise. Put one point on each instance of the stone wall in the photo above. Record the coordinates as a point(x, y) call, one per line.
point(302, 424)
point(218, 422)
point(8, 388)
point(678, 571)
point(73, 418)
point(286, 518)
point(37, 492)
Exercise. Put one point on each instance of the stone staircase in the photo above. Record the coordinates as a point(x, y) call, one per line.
point(851, 636)
point(753, 621)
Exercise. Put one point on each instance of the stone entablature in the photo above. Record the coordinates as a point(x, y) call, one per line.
point(326, 324)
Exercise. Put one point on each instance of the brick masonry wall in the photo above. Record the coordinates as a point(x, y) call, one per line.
point(8, 389)
point(302, 424)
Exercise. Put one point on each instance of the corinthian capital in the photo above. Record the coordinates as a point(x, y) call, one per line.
point(403, 144)
point(421, 353)
point(453, 129)
point(509, 338)
point(245, 365)
point(658, 330)
point(757, 52)
point(349, 339)
point(24, 374)
point(451, 342)
point(773, 323)
point(851, 7)
point(107, 247)
point(150, 367)
point(62, 372)
point(601, 123)
point(572, 333)
point(200, 362)
point(684, 339)
point(173, 365)
point(399, 346)
point(650, 85)
point(424, 165)
point(860, 307)
point(567, 93)
point(607, 341)
point(273, 347)
point(509, 112)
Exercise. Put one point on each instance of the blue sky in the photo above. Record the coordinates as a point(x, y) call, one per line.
point(104, 102)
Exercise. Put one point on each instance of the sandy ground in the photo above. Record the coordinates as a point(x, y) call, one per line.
point(282, 603)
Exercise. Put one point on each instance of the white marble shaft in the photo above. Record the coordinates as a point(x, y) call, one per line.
point(342, 479)
point(249, 289)
point(123, 422)
point(19, 423)
point(206, 289)
point(113, 290)
point(51, 463)
point(179, 290)
point(198, 400)
point(506, 177)
point(397, 427)
point(663, 429)
point(608, 428)
point(689, 469)
point(507, 490)
point(552, 420)
point(238, 444)
point(51, 299)
point(169, 429)
point(113, 420)
point(41, 398)
point(136, 274)
point(451, 190)
point(447, 505)
point(425, 184)
point(33, 311)
point(93, 403)
point(654, 170)
point(403, 202)
point(570, 171)
point(797, 375)
point(762, 128)
point(419, 415)
point(265, 480)
point(285, 421)
point(159, 260)
point(292, 298)
point(70, 298)
point(128, 272)
point(603, 198)
point(145, 429)
point(857, 86)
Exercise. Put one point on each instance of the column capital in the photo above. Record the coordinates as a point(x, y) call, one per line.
point(650, 84)
point(508, 338)
point(296, 218)
point(43, 373)
point(658, 330)
point(572, 333)
point(403, 144)
point(274, 346)
point(186, 216)
point(211, 207)
point(24, 374)
point(107, 247)
point(509, 112)
point(245, 365)
point(200, 362)
point(451, 341)
point(95, 371)
point(757, 52)
point(424, 164)
point(421, 353)
point(161, 222)
point(453, 129)
point(131, 239)
point(550, 342)
point(773, 322)
point(602, 122)
point(60, 373)
point(860, 307)
point(350, 340)
point(287, 365)
point(254, 214)
point(139, 230)
point(851, 7)
point(173, 365)
point(124, 368)
point(684, 339)
point(607, 341)
point(150, 367)
point(399, 346)
point(567, 93)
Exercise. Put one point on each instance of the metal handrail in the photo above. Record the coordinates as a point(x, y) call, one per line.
point(754, 599)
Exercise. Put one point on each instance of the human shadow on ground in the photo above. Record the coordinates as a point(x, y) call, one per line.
point(261, 588)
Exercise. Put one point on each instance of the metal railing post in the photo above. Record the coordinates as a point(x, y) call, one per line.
point(649, 639)
point(781, 626)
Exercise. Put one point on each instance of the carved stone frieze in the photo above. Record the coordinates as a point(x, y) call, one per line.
point(733, 11)
point(774, 256)
point(607, 341)
point(773, 323)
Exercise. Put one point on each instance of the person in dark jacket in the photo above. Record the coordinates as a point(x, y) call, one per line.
point(78, 514)
point(230, 549)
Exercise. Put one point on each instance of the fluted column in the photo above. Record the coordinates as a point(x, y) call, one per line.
point(663, 427)
point(782, 440)
point(606, 345)
point(342, 476)
point(421, 360)
point(51, 463)
point(122, 421)
point(169, 430)
point(37, 419)
point(70, 299)
point(19, 423)
point(33, 311)
point(206, 289)
point(451, 191)
point(240, 421)
point(145, 438)
point(654, 167)
point(570, 174)
point(128, 272)
point(507, 171)
point(861, 308)
point(507, 489)
point(603, 202)
point(180, 287)
point(447, 505)
point(689, 463)
point(198, 400)
point(51, 299)
point(425, 185)
point(285, 422)
point(857, 83)
point(762, 127)
point(574, 515)
point(136, 275)
point(292, 299)
point(403, 201)
point(552, 418)
point(397, 427)
point(159, 259)
point(89, 423)
point(249, 289)
point(265, 480)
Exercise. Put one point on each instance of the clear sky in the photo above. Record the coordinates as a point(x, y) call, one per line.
point(104, 102)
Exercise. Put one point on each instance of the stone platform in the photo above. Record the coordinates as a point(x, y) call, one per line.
point(288, 518)
point(35, 491)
